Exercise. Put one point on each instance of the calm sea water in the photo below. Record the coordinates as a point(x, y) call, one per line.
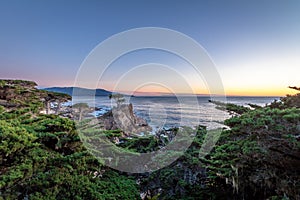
point(166, 112)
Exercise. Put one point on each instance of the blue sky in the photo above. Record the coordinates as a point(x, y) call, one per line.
point(254, 44)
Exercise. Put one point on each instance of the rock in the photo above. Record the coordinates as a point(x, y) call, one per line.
point(122, 117)
point(141, 122)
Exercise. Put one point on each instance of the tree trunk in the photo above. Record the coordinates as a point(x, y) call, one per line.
point(47, 107)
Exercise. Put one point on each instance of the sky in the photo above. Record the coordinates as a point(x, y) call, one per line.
point(255, 45)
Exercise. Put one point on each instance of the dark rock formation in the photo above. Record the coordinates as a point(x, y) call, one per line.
point(122, 117)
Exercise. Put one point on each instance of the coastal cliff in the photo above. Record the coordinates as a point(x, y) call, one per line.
point(16, 94)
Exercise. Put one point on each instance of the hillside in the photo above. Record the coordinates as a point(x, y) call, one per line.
point(79, 91)
point(16, 94)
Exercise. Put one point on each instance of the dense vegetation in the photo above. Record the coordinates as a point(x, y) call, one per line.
point(42, 157)
point(258, 158)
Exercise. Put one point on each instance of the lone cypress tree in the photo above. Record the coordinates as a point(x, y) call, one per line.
point(119, 98)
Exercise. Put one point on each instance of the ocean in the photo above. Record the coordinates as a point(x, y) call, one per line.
point(169, 111)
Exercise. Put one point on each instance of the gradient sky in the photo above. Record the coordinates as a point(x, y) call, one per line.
point(254, 44)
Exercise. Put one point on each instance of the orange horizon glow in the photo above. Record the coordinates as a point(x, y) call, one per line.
point(260, 92)
point(155, 90)
point(228, 92)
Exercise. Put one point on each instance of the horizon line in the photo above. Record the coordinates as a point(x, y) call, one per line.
point(165, 94)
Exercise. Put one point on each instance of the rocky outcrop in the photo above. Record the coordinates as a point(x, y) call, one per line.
point(20, 93)
point(123, 117)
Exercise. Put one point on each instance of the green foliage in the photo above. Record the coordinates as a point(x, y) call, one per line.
point(232, 108)
point(14, 139)
point(119, 98)
point(61, 184)
point(80, 105)
point(258, 148)
point(43, 158)
point(17, 83)
point(289, 101)
point(141, 144)
point(2, 109)
point(2, 83)
point(186, 177)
